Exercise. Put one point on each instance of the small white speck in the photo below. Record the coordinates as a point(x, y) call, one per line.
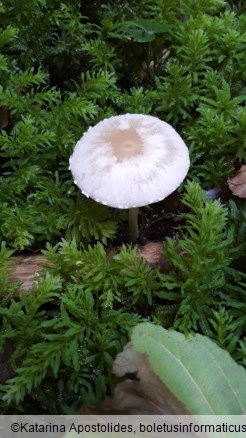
point(75, 182)
point(69, 168)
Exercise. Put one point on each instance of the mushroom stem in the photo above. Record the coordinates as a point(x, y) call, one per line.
point(133, 223)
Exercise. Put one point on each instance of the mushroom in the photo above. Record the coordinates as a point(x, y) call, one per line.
point(129, 161)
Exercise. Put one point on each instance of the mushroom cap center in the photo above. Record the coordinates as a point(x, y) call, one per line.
point(125, 144)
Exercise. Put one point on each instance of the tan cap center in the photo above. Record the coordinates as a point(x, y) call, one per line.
point(125, 144)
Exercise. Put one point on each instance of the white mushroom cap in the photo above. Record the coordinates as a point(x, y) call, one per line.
point(129, 161)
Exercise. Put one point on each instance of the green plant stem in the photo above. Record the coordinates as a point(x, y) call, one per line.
point(133, 223)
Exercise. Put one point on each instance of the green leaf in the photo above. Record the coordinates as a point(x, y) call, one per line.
point(143, 30)
point(151, 26)
point(141, 36)
point(199, 373)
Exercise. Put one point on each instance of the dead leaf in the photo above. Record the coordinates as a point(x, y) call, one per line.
point(151, 252)
point(141, 393)
point(237, 183)
point(25, 269)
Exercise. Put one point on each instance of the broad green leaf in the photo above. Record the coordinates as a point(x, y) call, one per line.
point(199, 373)
point(151, 26)
point(141, 36)
point(142, 30)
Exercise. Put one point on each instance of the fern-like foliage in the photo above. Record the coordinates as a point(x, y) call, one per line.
point(6, 291)
point(226, 331)
point(62, 327)
point(79, 313)
point(199, 258)
point(54, 207)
